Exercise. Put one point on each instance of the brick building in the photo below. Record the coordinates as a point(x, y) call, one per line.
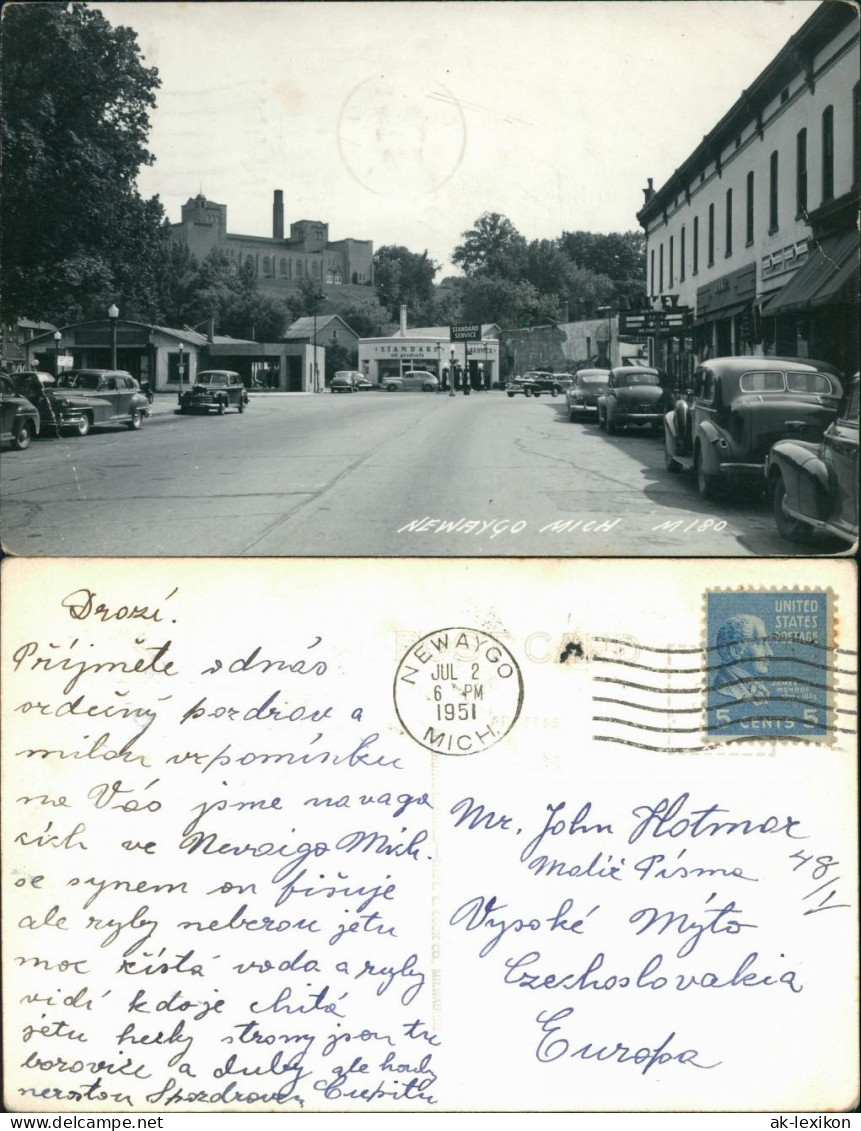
point(756, 232)
point(280, 263)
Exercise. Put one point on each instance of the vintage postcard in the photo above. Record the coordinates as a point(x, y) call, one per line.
point(478, 836)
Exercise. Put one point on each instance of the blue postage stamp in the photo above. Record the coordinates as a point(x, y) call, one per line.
point(768, 663)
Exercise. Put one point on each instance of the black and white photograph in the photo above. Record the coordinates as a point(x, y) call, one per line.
point(426, 279)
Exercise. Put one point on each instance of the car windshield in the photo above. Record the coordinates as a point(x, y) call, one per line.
point(211, 379)
point(628, 380)
point(79, 381)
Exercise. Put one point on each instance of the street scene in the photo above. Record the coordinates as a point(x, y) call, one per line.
point(410, 473)
point(500, 339)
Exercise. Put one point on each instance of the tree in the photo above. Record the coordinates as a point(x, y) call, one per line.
point(76, 103)
point(621, 256)
point(305, 300)
point(367, 319)
point(339, 357)
point(404, 276)
point(493, 246)
point(510, 303)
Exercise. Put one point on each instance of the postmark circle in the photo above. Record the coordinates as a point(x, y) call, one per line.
point(399, 135)
point(458, 691)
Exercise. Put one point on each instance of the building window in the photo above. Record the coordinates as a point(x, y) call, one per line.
point(696, 254)
point(337, 278)
point(828, 153)
point(329, 277)
point(315, 267)
point(748, 225)
point(267, 265)
point(801, 172)
point(728, 234)
point(672, 259)
point(772, 193)
point(682, 255)
point(711, 235)
point(298, 268)
point(661, 269)
point(282, 266)
point(652, 272)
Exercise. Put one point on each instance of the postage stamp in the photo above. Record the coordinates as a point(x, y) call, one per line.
point(458, 691)
point(769, 663)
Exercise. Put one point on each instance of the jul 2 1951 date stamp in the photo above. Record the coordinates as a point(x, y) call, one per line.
point(770, 663)
point(458, 691)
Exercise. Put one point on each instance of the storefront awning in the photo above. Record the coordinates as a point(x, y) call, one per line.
point(718, 315)
point(829, 276)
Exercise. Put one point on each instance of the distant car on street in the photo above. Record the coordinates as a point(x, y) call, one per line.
point(345, 381)
point(738, 408)
point(412, 379)
point(634, 396)
point(19, 417)
point(82, 399)
point(815, 486)
point(581, 396)
point(537, 381)
point(214, 389)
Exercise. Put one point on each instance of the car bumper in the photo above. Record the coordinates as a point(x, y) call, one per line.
point(622, 417)
point(742, 470)
point(584, 408)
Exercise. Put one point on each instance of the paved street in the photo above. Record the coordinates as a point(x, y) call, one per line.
point(369, 474)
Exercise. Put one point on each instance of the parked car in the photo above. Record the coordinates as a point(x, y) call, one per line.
point(85, 398)
point(815, 486)
point(412, 379)
point(538, 381)
point(345, 381)
point(363, 383)
point(740, 406)
point(215, 389)
point(635, 395)
point(19, 417)
point(581, 396)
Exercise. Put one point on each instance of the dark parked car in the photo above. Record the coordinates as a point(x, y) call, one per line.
point(740, 406)
point(19, 417)
point(587, 385)
point(84, 398)
point(538, 381)
point(214, 389)
point(815, 486)
point(635, 395)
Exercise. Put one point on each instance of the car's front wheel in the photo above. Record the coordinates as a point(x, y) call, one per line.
point(391, 388)
point(22, 434)
point(82, 428)
point(511, 392)
point(790, 529)
point(136, 420)
point(556, 390)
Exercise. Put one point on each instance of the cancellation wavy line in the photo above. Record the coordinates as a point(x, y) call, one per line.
point(699, 651)
point(698, 710)
point(729, 683)
point(717, 667)
point(718, 726)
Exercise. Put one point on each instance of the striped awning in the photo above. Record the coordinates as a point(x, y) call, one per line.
point(830, 276)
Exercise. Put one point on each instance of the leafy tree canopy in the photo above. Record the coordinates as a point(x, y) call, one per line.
point(404, 276)
point(492, 246)
point(76, 103)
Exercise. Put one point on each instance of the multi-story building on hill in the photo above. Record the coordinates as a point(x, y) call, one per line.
point(279, 263)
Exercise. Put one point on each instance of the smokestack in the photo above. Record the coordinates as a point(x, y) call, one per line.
point(403, 318)
point(278, 215)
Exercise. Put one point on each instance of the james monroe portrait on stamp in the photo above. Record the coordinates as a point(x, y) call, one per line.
point(744, 652)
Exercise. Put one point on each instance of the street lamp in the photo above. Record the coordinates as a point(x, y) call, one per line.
point(451, 376)
point(58, 337)
point(181, 368)
point(317, 298)
point(113, 314)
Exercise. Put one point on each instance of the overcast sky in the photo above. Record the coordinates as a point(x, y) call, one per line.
point(403, 122)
